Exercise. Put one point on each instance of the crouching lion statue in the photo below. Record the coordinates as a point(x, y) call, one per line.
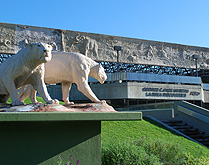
point(70, 68)
point(26, 67)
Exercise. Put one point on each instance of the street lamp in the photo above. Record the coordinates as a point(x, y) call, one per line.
point(118, 48)
point(196, 56)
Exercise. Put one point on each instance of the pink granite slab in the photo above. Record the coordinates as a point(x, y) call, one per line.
point(87, 107)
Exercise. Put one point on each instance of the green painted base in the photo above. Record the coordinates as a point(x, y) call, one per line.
point(42, 143)
point(39, 138)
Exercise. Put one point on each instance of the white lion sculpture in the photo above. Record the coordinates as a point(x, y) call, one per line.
point(70, 68)
point(26, 67)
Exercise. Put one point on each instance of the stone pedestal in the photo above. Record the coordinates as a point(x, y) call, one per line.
point(41, 137)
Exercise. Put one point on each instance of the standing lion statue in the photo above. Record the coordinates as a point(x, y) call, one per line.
point(70, 68)
point(26, 67)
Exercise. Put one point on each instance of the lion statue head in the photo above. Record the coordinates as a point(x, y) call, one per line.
point(101, 75)
point(41, 52)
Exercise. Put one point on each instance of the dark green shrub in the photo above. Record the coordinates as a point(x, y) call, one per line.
point(142, 151)
point(127, 153)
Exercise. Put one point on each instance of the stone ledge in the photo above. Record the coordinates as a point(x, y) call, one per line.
point(77, 112)
point(69, 116)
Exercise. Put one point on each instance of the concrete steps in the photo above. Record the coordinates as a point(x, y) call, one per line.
point(189, 130)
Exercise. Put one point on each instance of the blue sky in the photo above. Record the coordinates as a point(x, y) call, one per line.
point(175, 21)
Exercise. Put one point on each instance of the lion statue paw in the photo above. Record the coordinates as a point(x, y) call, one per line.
point(101, 102)
point(55, 101)
point(16, 103)
point(69, 103)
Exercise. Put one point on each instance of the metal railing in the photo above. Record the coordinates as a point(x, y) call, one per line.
point(150, 106)
point(112, 67)
point(4, 56)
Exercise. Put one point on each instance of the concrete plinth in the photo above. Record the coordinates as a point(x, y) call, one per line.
point(40, 137)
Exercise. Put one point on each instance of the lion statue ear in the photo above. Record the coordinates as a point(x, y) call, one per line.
point(26, 42)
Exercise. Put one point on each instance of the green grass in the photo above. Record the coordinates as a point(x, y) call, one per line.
point(28, 101)
point(152, 139)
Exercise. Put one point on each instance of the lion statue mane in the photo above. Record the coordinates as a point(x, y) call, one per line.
point(26, 67)
point(70, 68)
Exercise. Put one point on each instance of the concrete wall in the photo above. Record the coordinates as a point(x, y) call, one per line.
point(134, 90)
point(102, 91)
point(206, 96)
point(100, 47)
point(192, 115)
